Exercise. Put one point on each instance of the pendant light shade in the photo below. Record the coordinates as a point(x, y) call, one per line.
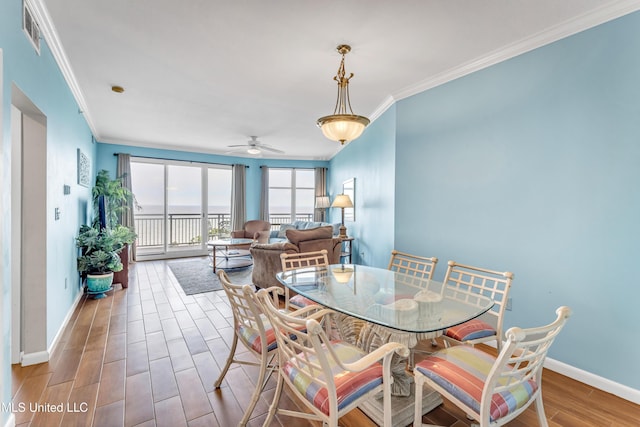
point(343, 127)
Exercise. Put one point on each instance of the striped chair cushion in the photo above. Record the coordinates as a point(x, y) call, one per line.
point(251, 335)
point(471, 330)
point(462, 371)
point(300, 301)
point(349, 385)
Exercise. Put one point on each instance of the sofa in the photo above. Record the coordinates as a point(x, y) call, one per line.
point(266, 256)
point(280, 235)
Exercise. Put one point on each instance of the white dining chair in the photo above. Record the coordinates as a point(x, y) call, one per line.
point(418, 270)
point(490, 283)
point(330, 378)
point(492, 390)
point(253, 329)
point(295, 261)
point(417, 267)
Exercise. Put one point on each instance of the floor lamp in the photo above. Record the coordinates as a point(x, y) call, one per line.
point(342, 201)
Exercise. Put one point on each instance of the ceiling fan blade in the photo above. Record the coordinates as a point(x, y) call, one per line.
point(239, 145)
point(273, 150)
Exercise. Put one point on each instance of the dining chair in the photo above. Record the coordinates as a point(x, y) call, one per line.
point(493, 284)
point(299, 260)
point(253, 329)
point(492, 390)
point(330, 378)
point(420, 268)
point(418, 271)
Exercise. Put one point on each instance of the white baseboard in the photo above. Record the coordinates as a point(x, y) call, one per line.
point(11, 422)
point(43, 356)
point(620, 390)
point(29, 359)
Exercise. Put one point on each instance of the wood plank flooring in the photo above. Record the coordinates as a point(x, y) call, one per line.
point(148, 356)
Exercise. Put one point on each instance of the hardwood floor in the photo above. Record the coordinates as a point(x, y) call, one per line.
point(148, 356)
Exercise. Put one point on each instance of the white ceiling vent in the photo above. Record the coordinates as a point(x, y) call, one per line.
point(30, 26)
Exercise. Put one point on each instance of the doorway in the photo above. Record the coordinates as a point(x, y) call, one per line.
point(28, 230)
point(180, 206)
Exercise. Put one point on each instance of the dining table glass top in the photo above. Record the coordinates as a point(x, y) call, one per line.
point(387, 298)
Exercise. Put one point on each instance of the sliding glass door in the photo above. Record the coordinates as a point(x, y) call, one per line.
point(182, 205)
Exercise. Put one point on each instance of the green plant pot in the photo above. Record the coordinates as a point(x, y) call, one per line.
point(98, 284)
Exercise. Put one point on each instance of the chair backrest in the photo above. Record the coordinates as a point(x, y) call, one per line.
point(490, 283)
point(520, 362)
point(420, 268)
point(304, 259)
point(255, 225)
point(309, 354)
point(246, 314)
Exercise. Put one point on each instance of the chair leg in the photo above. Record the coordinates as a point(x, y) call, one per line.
point(260, 383)
point(275, 402)
point(542, 418)
point(232, 353)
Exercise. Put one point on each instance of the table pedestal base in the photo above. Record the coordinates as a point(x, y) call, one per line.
point(401, 407)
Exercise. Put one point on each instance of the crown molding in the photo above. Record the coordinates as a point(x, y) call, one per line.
point(50, 35)
point(201, 150)
point(565, 29)
point(388, 102)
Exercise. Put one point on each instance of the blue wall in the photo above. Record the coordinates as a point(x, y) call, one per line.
point(107, 160)
point(532, 166)
point(39, 77)
point(369, 160)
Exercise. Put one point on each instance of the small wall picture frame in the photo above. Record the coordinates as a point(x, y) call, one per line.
point(349, 188)
point(84, 169)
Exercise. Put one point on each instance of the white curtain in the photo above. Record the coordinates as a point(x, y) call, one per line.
point(238, 197)
point(123, 172)
point(321, 190)
point(264, 194)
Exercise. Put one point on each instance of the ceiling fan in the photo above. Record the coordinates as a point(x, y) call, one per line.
point(254, 146)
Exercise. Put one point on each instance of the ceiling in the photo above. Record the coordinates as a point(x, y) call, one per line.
point(200, 75)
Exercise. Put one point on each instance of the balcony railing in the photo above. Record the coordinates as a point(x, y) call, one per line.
point(283, 218)
point(184, 229)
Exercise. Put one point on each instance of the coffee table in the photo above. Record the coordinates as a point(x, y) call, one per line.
point(228, 255)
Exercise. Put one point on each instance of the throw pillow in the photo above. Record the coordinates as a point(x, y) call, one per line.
point(296, 236)
point(282, 234)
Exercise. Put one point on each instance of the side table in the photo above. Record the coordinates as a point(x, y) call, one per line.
point(347, 249)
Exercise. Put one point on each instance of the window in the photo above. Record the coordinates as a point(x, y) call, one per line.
point(291, 195)
point(179, 203)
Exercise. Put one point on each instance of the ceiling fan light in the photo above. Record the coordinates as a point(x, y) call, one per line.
point(342, 127)
point(253, 150)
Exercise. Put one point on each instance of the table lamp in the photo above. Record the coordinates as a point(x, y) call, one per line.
point(342, 201)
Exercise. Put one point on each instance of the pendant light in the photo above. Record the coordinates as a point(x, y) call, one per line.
point(342, 125)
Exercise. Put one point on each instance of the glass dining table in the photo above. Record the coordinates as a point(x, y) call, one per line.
point(390, 306)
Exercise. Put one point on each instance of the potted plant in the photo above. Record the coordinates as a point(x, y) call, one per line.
point(99, 257)
point(116, 200)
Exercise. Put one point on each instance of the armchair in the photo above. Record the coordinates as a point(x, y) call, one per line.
point(255, 229)
point(266, 256)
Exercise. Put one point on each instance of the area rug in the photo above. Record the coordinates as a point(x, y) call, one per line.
point(196, 276)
